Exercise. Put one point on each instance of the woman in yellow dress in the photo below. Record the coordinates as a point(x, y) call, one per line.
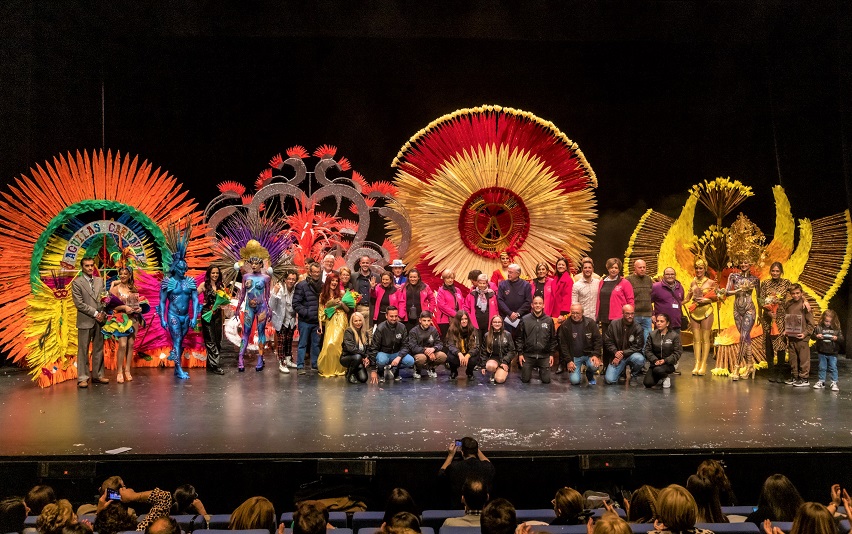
point(701, 296)
point(334, 320)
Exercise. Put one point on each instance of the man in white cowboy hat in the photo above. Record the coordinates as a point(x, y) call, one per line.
point(397, 267)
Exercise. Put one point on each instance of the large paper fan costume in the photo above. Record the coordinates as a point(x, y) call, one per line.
point(485, 180)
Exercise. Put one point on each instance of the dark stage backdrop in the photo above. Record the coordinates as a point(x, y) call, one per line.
point(659, 95)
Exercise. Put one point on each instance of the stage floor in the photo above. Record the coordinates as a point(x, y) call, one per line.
point(269, 413)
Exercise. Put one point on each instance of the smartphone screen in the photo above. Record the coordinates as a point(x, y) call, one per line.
point(113, 495)
point(458, 443)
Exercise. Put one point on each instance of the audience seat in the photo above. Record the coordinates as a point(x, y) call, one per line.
point(641, 528)
point(367, 520)
point(372, 530)
point(785, 526)
point(541, 514)
point(731, 528)
point(219, 521)
point(335, 519)
point(435, 518)
point(737, 510)
point(30, 521)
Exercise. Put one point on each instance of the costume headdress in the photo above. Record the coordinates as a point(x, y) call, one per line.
point(248, 236)
point(745, 241)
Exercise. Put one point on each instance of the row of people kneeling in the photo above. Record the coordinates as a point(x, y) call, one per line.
point(534, 339)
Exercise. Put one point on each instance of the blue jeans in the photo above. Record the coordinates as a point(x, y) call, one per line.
point(590, 369)
point(384, 358)
point(636, 361)
point(308, 334)
point(830, 361)
point(645, 323)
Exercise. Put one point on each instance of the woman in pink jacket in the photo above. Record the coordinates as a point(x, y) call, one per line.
point(615, 291)
point(448, 301)
point(418, 297)
point(560, 301)
point(385, 294)
point(481, 305)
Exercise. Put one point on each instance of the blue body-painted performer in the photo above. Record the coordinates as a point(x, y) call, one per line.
point(255, 292)
point(177, 294)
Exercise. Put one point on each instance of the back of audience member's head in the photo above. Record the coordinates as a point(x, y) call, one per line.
point(403, 522)
point(469, 447)
point(643, 505)
point(114, 483)
point(183, 498)
point(310, 517)
point(76, 528)
point(38, 497)
point(253, 513)
point(706, 496)
point(54, 516)
point(164, 525)
point(568, 505)
point(113, 518)
point(399, 500)
point(13, 513)
point(714, 471)
point(610, 523)
point(779, 499)
point(676, 508)
point(474, 493)
point(813, 518)
point(498, 517)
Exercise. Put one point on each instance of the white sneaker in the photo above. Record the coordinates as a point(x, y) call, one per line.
point(416, 375)
point(283, 369)
point(289, 363)
point(835, 387)
point(433, 373)
point(667, 383)
point(819, 385)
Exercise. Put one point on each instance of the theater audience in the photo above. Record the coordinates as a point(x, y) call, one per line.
point(13, 513)
point(568, 506)
point(402, 523)
point(714, 470)
point(310, 517)
point(498, 517)
point(811, 518)
point(114, 517)
point(474, 497)
point(706, 496)
point(164, 525)
point(114, 483)
point(398, 501)
point(779, 500)
point(474, 464)
point(55, 516)
point(642, 505)
point(610, 523)
point(38, 497)
point(677, 512)
point(186, 501)
point(255, 513)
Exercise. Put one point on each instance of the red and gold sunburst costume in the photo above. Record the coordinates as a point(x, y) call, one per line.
point(480, 181)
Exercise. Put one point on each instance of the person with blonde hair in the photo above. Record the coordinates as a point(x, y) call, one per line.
point(677, 512)
point(55, 516)
point(448, 302)
point(699, 307)
point(254, 513)
point(356, 343)
point(610, 523)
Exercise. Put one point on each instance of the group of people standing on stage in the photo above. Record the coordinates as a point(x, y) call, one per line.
point(368, 327)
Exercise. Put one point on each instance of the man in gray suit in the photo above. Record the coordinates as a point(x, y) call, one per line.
point(85, 291)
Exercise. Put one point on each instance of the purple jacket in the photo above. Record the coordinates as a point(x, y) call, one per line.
point(668, 301)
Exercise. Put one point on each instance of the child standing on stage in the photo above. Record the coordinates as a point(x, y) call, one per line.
point(799, 324)
point(829, 338)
